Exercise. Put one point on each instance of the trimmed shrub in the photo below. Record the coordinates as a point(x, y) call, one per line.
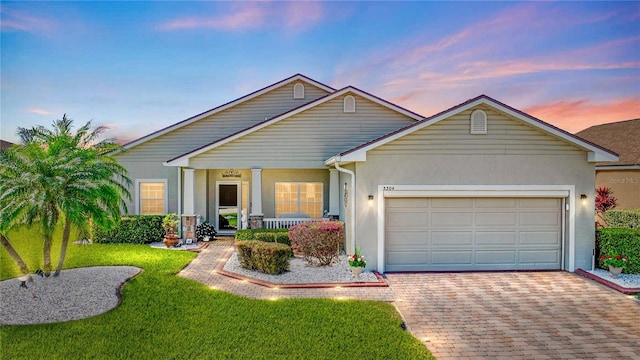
point(279, 237)
point(249, 234)
point(627, 219)
point(268, 258)
point(319, 242)
point(133, 229)
point(625, 242)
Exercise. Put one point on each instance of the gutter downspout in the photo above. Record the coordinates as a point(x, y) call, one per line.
point(352, 200)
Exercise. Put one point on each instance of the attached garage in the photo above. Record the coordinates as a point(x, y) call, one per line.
point(473, 233)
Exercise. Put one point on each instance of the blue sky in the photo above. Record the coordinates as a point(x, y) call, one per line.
point(140, 66)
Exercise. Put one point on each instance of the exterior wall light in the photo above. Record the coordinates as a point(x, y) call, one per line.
point(583, 197)
point(370, 200)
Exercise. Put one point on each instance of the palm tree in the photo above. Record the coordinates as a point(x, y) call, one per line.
point(64, 175)
point(28, 188)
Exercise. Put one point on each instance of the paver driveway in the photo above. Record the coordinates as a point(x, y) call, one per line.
point(530, 315)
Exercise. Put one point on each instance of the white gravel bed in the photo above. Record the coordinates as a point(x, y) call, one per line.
point(161, 245)
point(625, 280)
point(301, 273)
point(75, 294)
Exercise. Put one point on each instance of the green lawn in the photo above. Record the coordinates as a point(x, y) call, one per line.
point(163, 316)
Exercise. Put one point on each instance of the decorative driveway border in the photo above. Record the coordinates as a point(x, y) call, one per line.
point(606, 282)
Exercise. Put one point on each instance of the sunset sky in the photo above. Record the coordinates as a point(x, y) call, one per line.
point(140, 66)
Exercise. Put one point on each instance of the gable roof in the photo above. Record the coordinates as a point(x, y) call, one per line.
point(240, 100)
point(359, 153)
point(622, 137)
point(182, 160)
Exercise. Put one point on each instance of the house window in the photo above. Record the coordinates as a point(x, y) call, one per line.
point(298, 91)
point(151, 197)
point(299, 198)
point(349, 104)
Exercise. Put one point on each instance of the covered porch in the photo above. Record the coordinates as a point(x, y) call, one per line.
point(233, 199)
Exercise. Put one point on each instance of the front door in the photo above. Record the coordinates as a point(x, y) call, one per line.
point(228, 206)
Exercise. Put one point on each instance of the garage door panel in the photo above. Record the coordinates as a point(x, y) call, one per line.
point(496, 219)
point(473, 234)
point(540, 238)
point(447, 203)
point(407, 239)
point(407, 258)
point(496, 257)
point(452, 257)
point(451, 238)
point(446, 219)
point(484, 238)
point(482, 203)
point(407, 220)
point(550, 219)
point(532, 257)
point(408, 203)
point(535, 203)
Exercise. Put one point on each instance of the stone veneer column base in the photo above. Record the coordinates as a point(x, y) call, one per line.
point(255, 221)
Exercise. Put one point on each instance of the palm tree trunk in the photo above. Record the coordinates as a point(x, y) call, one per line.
point(48, 242)
point(65, 241)
point(16, 257)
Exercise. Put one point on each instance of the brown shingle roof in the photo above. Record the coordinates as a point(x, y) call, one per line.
point(622, 137)
point(5, 145)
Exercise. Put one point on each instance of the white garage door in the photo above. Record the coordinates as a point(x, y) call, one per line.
point(447, 234)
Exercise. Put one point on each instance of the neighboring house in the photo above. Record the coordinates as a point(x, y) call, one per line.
point(480, 186)
point(5, 145)
point(622, 176)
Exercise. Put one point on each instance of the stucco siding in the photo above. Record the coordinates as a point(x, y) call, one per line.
point(221, 124)
point(505, 136)
point(150, 170)
point(625, 185)
point(307, 139)
point(474, 170)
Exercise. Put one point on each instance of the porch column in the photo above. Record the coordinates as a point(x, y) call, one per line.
point(188, 192)
point(334, 193)
point(256, 216)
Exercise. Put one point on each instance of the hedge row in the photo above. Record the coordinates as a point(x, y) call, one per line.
point(269, 258)
point(134, 229)
point(280, 236)
point(625, 242)
point(627, 219)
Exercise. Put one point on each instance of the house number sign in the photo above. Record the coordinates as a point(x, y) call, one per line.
point(231, 173)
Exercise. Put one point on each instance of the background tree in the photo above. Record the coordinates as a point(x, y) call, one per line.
point(604, 202)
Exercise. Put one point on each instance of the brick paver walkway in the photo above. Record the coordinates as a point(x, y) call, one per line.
point(520, 315)
point(203, 269)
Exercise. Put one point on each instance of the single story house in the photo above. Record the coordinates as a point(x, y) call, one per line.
point(622, 176)
point(479, 186)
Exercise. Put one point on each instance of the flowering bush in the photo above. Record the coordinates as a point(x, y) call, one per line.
point(357, 260)
point(319, 242)
point(614, 260)
point(205, 229)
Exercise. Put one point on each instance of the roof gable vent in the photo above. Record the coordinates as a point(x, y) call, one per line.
point(298, 91)
point(349, 105)
point(478, 122)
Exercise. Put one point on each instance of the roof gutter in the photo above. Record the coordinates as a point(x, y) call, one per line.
point(352, 200)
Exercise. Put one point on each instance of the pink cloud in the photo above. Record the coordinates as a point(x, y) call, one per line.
point(252, 15)
point(16, 20)
point(577, 115)
point(38, 111)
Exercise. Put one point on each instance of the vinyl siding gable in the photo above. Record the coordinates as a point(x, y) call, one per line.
point(505, 136)
point(221, 124)
point(306, 139)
